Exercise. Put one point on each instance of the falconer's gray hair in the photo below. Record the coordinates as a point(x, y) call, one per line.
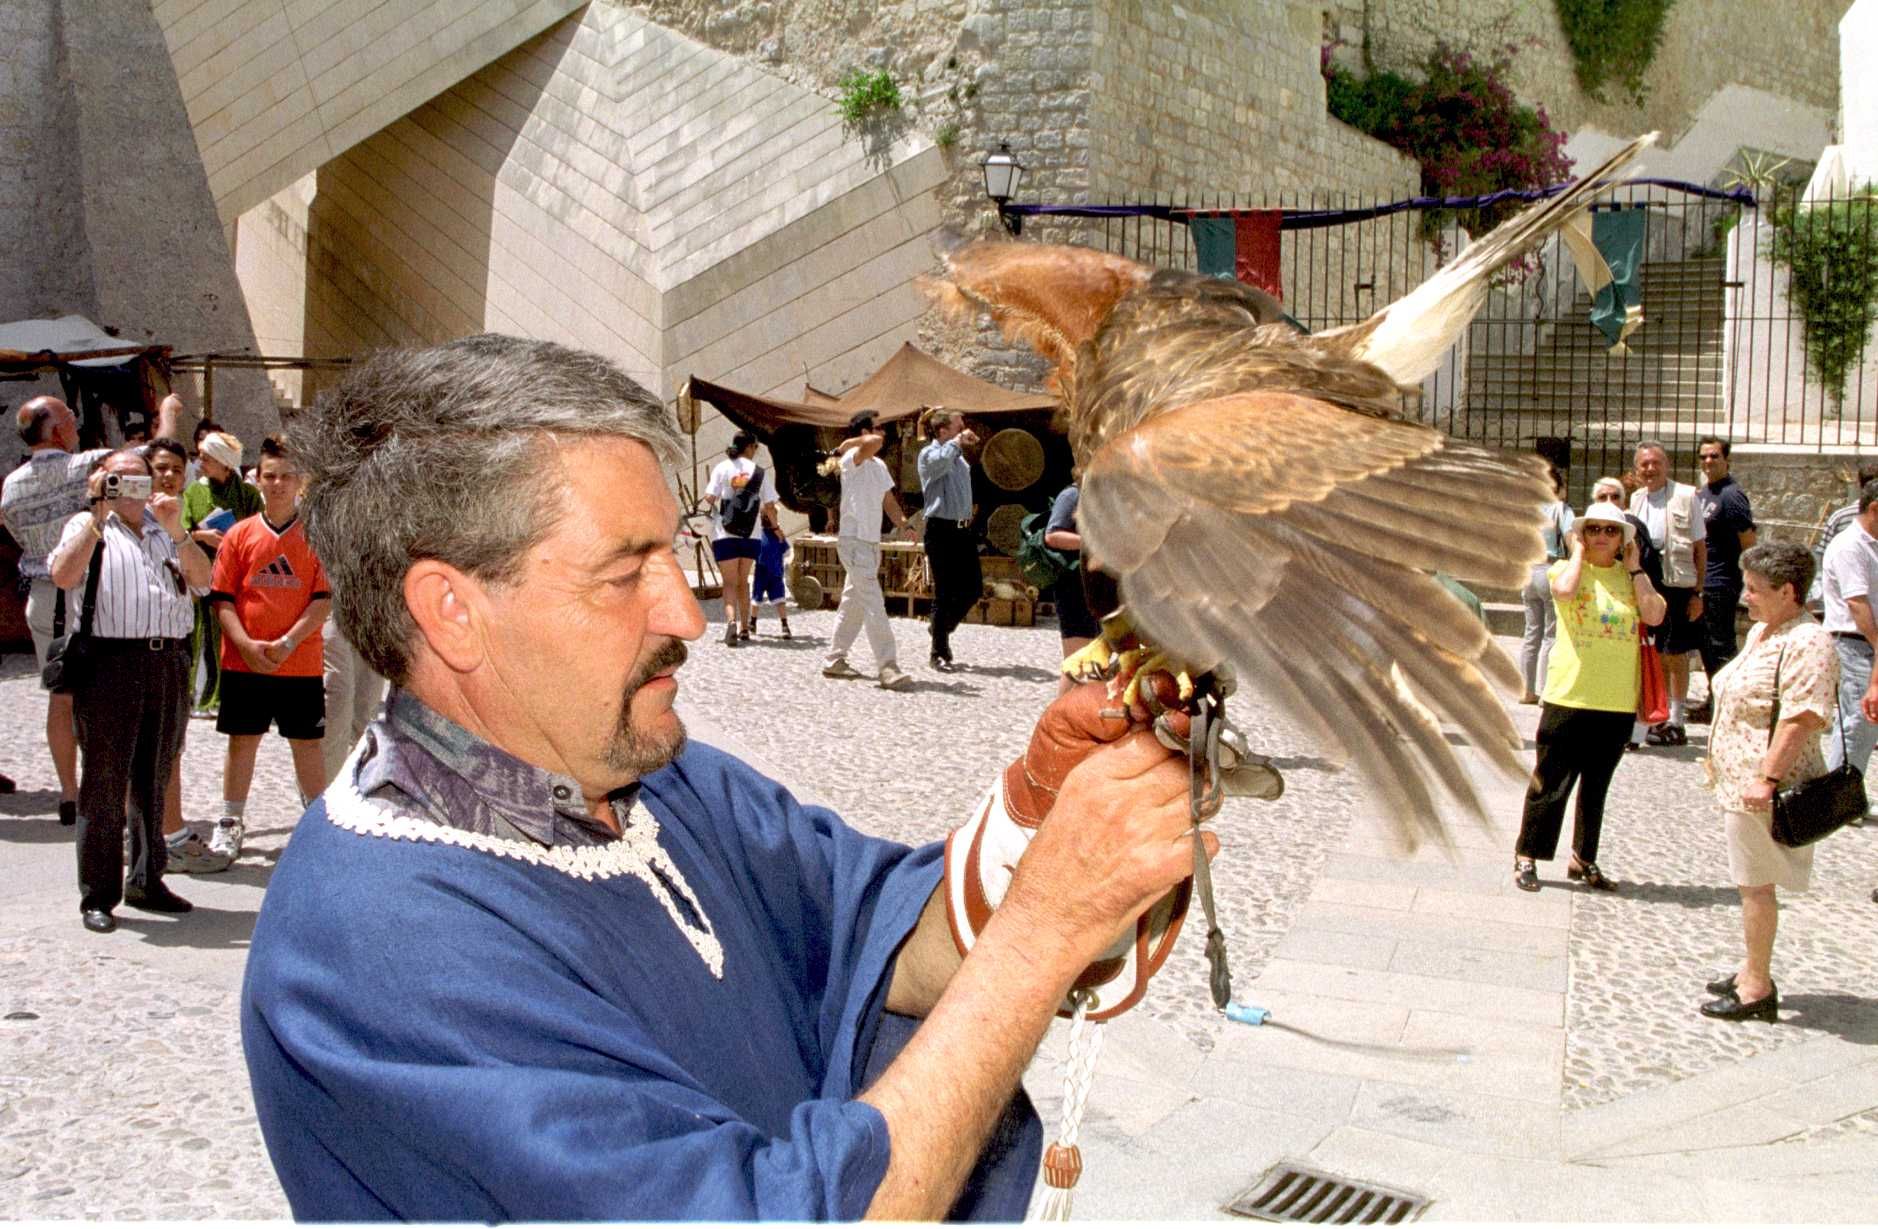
point(440, 454)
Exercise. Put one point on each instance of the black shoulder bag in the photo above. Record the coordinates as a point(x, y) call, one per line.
point(69, 658)
point(1818, 808)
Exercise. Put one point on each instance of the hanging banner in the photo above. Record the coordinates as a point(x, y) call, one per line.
point(1242, 244)
point(1617, 309)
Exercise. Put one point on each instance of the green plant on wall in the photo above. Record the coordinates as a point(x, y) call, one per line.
point(1831, 254)
point(1613, 41)
point(865, 95)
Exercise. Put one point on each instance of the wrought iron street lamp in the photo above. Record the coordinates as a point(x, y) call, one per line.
point(1002, 175)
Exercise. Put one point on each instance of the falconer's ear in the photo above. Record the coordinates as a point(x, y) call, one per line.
point(449, 609)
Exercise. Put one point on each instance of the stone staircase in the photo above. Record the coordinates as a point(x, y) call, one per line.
point(1669, 386)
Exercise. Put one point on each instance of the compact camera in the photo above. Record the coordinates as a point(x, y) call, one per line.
point(126, 486)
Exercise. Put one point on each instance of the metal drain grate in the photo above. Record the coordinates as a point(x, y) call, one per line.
point(1293, 1194)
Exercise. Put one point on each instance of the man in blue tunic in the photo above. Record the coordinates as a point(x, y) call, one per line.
point(533, 958)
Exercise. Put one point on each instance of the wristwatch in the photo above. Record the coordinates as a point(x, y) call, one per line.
point(1636, 571)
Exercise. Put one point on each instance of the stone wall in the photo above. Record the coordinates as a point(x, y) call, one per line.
point(275, 88)
point(104, 207)
point(1102, 100)
point(1790, 63)
point(1793, 488)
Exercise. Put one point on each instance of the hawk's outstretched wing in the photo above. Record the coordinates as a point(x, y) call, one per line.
point(1291, 539)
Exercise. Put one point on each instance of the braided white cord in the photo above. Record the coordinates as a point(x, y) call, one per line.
point(1085, 1046)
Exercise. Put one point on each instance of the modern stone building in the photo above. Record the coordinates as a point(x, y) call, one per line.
point(670, 182)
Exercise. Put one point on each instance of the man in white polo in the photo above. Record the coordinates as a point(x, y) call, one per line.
point(1667, 509)
point(1851, 577)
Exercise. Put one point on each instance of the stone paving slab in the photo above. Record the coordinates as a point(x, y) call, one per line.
point(1189, 1110)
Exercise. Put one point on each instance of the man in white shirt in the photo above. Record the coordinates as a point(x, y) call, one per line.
point(1851, 570)
point(866, 492)
point(1667, 509)
point(132, 698)
point(39, 498)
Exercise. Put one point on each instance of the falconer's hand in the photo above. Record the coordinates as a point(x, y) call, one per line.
point(1087, 835)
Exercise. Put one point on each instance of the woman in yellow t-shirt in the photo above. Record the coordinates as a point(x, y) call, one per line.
point(1590, 693)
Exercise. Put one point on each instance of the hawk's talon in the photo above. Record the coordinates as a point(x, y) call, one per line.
point(1093, 663)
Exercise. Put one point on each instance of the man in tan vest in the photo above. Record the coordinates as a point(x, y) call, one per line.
point(1667, 510)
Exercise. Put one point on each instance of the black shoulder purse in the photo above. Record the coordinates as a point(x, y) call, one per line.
point(69, 658)
point(1813, 809)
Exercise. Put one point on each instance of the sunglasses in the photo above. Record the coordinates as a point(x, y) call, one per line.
point(1606, 497)
point(1590, 529)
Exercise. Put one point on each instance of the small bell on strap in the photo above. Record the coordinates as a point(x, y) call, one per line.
point(1062, 1160)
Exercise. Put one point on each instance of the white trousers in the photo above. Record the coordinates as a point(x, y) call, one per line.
point(353, 693)
point(862, 603)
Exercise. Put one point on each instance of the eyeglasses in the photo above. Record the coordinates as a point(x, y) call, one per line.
point(1590, 529)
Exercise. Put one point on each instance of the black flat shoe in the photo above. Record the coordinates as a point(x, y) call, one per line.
point(785, 630)
point(1589, 874)
point(156, 900)
point(1525, 875)
point(1730, 1008)
point(1722, 985)
point(100, 921)
point(940, 664)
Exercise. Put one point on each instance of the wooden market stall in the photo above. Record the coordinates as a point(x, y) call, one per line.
point(1021, 464)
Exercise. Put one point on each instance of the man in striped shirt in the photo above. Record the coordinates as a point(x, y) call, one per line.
point(39, 498)
point(132, 699)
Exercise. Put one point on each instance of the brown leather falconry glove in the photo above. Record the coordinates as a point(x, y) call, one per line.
point(982, 856)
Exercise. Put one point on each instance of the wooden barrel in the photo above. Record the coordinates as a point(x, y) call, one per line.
point(1013, 459)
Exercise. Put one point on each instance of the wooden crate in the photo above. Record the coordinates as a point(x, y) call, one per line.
point(903, 580)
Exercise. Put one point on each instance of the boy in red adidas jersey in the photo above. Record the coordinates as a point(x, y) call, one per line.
point(270, 595)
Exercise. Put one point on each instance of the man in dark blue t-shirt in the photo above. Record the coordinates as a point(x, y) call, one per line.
point(1730, 521)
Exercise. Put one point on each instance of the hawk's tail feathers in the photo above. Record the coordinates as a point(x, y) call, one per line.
point(1408, 338)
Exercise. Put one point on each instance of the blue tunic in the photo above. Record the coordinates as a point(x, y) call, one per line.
point(439, 1032)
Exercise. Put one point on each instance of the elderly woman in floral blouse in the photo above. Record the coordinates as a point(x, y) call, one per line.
point(1748, 760)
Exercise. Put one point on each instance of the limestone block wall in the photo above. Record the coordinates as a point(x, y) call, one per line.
point(616, 186)
point(276, 88)
point(1789, 61)
point(104, 207)
point(1100, 99)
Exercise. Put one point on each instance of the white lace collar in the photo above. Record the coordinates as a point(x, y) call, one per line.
point(637, 853)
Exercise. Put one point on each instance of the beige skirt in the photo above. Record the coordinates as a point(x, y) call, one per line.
point(1756, 858)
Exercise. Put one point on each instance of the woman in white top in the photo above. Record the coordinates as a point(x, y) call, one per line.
point(736, 519)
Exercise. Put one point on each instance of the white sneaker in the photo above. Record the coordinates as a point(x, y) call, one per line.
point(840, 669)
point(892, 678)
point(188, 852)
point(225, 841)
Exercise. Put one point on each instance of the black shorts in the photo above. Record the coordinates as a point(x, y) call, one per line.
point(1677, 633)
point(252, 702)
point(733, 548)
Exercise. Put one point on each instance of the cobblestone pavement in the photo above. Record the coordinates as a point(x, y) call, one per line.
point(122, 1091)
point(1640, 958)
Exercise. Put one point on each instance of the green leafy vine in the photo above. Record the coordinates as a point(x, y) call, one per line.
point(1831, 254)
point(1613, 41)
point(865, 94)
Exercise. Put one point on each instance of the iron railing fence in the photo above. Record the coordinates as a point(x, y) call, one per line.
point(1721, 350)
